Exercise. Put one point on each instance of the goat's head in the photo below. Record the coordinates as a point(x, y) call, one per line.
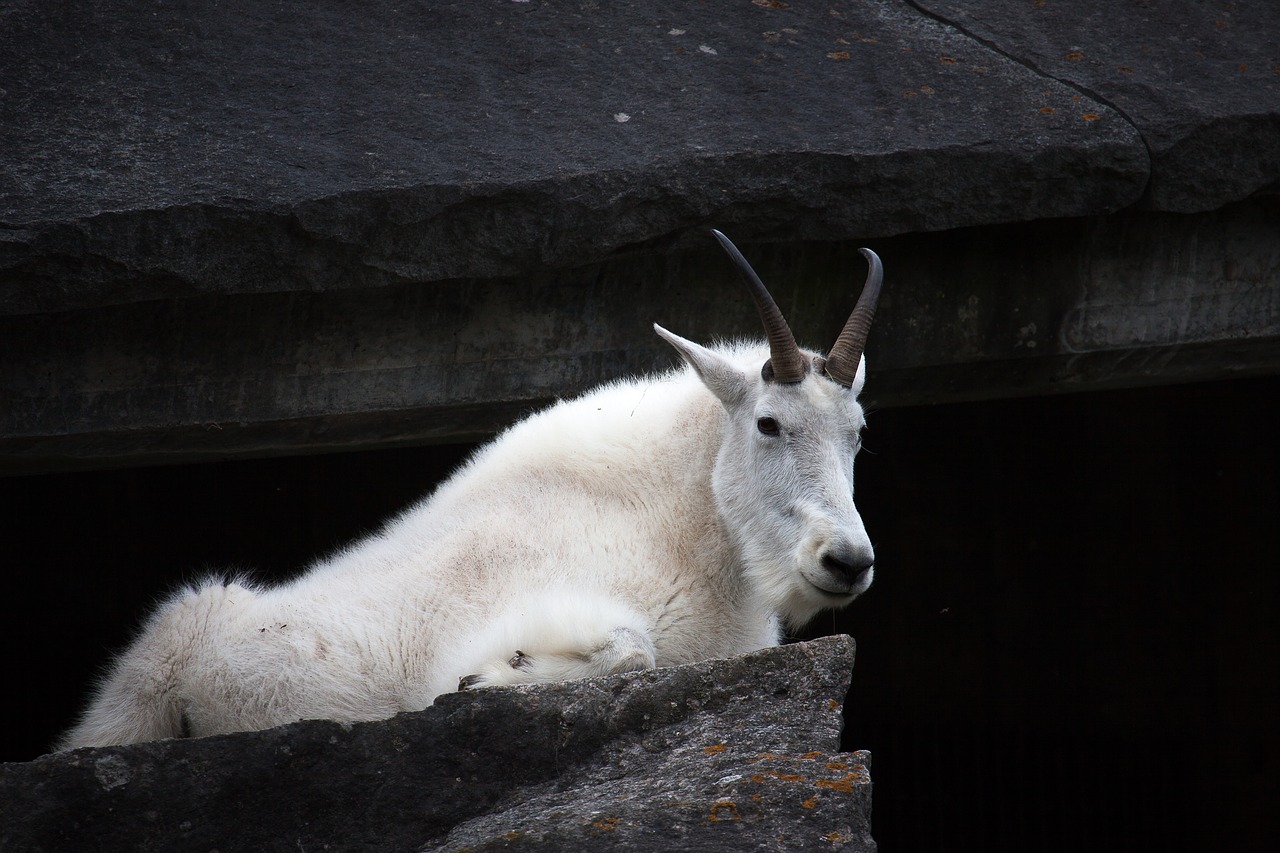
point(783, 479)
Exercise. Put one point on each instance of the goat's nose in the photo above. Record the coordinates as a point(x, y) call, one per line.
point(847, 565)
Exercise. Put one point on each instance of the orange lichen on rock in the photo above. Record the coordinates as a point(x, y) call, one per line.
point(724, 810)
point(858, 776)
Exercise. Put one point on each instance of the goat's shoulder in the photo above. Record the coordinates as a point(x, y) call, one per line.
point(626, 422)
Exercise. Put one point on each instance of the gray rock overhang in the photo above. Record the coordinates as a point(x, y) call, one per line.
point(487, 139)
point(232, 229)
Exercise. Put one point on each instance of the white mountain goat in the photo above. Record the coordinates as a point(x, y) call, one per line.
point(653, 521)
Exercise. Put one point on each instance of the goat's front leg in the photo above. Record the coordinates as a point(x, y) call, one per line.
point(625, 650)
point(571, 638)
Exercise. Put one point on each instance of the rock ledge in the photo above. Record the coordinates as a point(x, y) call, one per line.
point(737, 754)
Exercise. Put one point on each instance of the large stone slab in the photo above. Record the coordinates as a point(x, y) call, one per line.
point(1135, 298)
point(1200, 81)
point(723, 755)
point(162, 150)
point(231, 230)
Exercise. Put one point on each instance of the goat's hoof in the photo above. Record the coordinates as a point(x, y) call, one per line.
point(519, 661)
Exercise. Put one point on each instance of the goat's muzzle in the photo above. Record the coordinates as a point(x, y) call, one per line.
point(847, 569)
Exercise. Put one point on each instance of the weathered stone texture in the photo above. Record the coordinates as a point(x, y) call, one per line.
point(1200, 80)
point(237, 229)
point(725, 755)
point(155, 150)
point(1136, 298)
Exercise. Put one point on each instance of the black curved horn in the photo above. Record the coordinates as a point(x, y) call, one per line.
point(786, 363)
point(846, 352)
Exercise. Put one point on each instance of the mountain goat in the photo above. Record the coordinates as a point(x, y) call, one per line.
point(652, 521)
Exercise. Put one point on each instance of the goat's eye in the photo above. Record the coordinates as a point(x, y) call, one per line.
point(768, 426)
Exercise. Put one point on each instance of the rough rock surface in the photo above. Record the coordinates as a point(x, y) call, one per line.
point(155, 150)
point(724, 755)
point(1200, 80)
point(242, 229)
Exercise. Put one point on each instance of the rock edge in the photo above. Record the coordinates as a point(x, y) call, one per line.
point(731, 754)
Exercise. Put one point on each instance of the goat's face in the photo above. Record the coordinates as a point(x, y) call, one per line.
point(783, 478)
point(783, 482)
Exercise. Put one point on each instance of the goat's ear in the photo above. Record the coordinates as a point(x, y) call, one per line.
point(860, 378)
point(721, 376)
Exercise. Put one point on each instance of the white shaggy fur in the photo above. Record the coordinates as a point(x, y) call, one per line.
point(650, 522)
